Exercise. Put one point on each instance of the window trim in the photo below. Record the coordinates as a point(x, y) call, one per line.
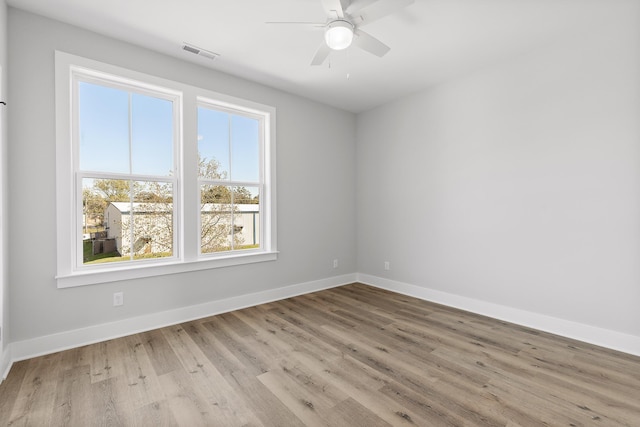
point(187, 255)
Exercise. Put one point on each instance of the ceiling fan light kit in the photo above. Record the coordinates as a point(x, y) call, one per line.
point(343, 27)
point(338, 34)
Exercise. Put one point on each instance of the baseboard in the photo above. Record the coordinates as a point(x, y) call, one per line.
point(602, 337)
point(21, 350)
point(5, 363)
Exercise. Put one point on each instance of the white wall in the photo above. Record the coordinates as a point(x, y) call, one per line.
point(315, 158)
point(517, 185)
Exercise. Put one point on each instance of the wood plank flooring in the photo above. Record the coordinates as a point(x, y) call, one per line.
point(349, 356)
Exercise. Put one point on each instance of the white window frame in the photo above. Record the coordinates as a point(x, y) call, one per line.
point(186, 252)
point(80, 74)
point(263, 119)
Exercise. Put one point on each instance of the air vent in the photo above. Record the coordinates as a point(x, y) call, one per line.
point(198, 51)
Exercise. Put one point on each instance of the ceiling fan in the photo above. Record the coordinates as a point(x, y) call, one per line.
point(342, 27)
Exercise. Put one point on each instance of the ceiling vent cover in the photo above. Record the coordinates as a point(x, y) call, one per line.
point(198, 51)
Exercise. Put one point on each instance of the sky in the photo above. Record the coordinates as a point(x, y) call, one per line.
point(105, 144)
point(216, 129)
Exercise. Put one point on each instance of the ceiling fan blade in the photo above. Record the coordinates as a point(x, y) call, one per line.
point(321, 54)
point(333, 8)
point(315, 24)
point(377, 10)
point(369, 43)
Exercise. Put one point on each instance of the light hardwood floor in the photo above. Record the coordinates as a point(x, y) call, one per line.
point(349, 356)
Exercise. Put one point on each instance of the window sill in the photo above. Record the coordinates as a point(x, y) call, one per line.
point(93, 277)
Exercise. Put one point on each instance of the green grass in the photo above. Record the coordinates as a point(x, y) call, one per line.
point(248, 246)
point(89, 258)
point(228, 248)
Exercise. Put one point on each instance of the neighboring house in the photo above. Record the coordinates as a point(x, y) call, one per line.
point(153, 225)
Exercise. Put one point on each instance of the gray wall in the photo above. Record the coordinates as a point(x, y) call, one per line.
point(4, 284)
point(518, 184)
point(315, 158)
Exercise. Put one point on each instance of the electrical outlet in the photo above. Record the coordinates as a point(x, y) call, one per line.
point(387, 265)
point(118, 299)
point(335, 263)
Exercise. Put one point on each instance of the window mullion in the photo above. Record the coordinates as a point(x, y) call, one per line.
point(231, 174)
point(131, 182)
point(230, 132)
point(190, 210)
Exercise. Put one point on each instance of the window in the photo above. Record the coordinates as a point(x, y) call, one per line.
point(229, 178)
point(157, 177)
point(126, 140)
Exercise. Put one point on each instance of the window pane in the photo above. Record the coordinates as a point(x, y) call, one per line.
point(246, 218)
point(103, 128)
point(152, 135)
point(215, 218)
point(122, 223)
point(229, 218)
point(152, 234)
point(213, 144)
point(106, 207)
point(245, 149)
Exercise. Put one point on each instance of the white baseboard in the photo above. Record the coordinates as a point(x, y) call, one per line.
point(603, 337)
point(21, 350)
point(5, 363)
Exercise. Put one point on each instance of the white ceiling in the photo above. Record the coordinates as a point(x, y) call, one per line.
point(430, 40)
